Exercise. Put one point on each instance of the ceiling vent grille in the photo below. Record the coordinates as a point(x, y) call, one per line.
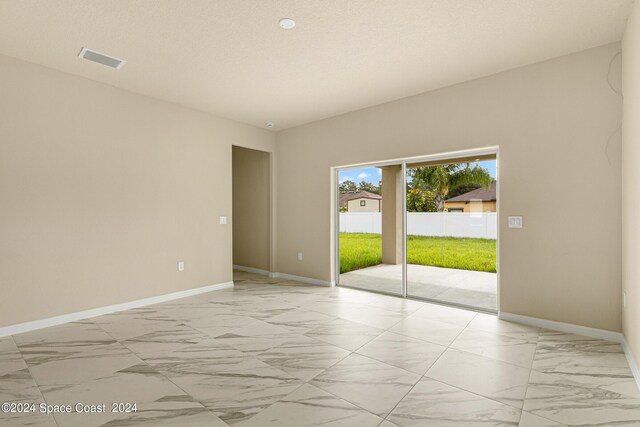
point(101, 58)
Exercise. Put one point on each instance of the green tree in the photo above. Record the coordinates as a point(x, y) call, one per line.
point(347, 186)
point(440, 179)
point(419, 200)
point(368, 186)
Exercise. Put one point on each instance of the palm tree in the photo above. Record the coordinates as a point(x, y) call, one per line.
point(440, 179)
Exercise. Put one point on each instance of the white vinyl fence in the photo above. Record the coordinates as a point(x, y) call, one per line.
point(455, 224)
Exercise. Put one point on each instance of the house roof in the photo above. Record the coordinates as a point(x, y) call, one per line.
point(352, 195)
point(478, 194)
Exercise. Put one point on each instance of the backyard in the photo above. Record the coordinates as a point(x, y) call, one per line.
point(361, 250)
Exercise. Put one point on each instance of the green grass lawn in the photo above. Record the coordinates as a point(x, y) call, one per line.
point(365, 250)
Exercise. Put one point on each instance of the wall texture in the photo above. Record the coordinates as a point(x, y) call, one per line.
point(251, 208)
point(631, 181)
point(556, 124)
point(103, 191)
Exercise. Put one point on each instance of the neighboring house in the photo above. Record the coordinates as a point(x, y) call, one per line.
point(360, 201)
point(478, 200)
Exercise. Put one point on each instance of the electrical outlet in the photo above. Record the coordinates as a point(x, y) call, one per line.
point(223, 220)
point(515, 222)
point(180, 265)
point(299, 256)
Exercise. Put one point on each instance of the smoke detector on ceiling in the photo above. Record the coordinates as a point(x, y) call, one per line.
point(269, 125)
point(101, 58)
point(287, 23)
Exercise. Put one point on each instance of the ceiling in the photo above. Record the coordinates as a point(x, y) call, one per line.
point(230, 57)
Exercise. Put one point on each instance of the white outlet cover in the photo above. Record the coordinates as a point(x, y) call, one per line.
point(515, 222)
point(223, 220)
point(180, 265)
point(299, 256)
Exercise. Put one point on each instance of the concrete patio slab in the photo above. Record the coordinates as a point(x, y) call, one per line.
point(470, 288)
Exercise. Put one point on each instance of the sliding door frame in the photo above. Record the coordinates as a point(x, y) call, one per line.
point(463, 154)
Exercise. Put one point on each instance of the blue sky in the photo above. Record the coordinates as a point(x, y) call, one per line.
point(374, 175)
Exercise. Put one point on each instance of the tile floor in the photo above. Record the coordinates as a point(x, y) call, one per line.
point(463, 287)
point(276, 353)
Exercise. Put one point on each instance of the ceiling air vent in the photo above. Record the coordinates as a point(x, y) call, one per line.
point(101, 58)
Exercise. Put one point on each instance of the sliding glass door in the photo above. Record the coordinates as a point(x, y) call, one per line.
point(423, 229)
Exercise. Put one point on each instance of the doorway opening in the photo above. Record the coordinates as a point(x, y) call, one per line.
point(251, 208)
point(428, 229)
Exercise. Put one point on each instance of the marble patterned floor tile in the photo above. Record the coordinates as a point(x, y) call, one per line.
point(585, 360)
point(402, 351)
point(299, 320)
point(445, 314)
point(34, 420)
point(367, 383)
point(432, 403)
point(334, 308)
point(237, 395)
point(303, 357)
point(164, 340)
point(276, 352)
point(527, 419)
point(311, 406)
point(428, 330)
point(399, 305)
point(149, 313)
point(262, 310)
point(58, 341)
point(75, 368)
point(19, 386)
point(500, 347)
point(122, 328)
point(487, 377)
point(575, 404)
point(491, 323)
point(10, 357)
point(345, 334)
point(256, 337)
point(373, 316)
point(204, 358)
point(157, 399)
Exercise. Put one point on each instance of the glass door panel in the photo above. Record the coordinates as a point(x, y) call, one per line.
point(370, 228)
point(451, 232)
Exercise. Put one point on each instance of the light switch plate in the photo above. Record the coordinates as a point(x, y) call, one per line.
point(515, 222)
point(223, 220)
point(180, 265)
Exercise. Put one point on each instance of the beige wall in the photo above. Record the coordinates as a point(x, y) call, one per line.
point(371, 205)
point(102, 191)
point(631, 181)
point(251, 208)
point(555, 123)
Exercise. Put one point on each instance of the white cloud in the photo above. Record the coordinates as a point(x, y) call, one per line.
point(363, 175)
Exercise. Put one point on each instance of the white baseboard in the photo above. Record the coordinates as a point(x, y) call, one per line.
point(579, 330)
point(252, 270)
point(632, 361)
point(563, 327)
point(303, 279)
point(85, 314)
point(276, 275)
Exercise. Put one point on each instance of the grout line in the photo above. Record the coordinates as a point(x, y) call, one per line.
point(423, 375)
point(160, 373)
point(33, 379)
